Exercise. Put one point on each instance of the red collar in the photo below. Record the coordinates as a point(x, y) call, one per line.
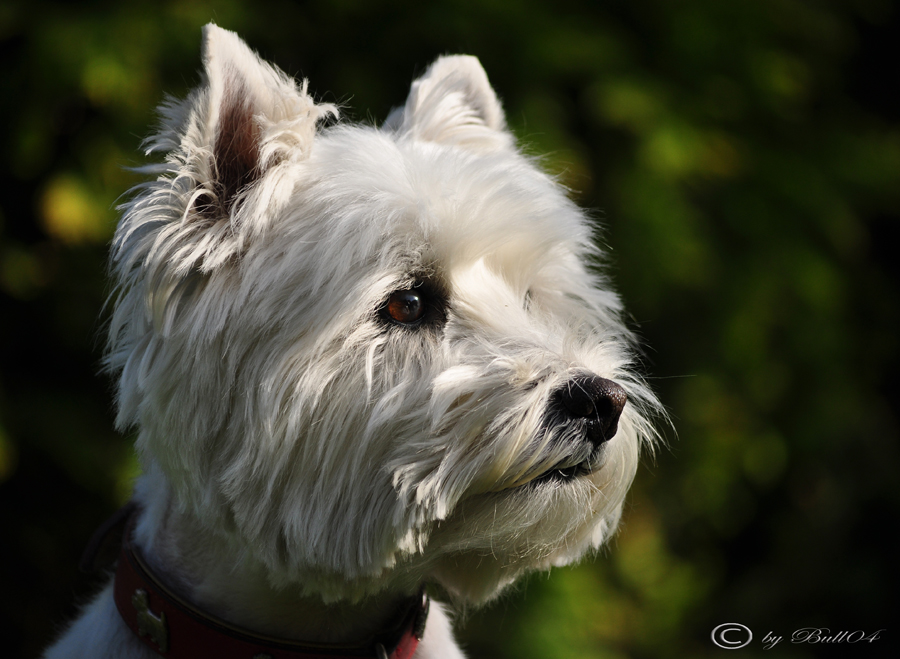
point(175, 629)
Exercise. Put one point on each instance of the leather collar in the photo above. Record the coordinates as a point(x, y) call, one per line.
point(176, 629)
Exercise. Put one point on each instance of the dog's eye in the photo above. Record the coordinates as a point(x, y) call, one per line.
point(405, 307)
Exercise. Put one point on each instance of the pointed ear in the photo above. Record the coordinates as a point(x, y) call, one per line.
point(249, 117)
point(453, 103)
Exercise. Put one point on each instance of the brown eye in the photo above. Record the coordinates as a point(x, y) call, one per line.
point(405, 307)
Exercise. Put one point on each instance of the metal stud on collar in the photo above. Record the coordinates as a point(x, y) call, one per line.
point(148, 623)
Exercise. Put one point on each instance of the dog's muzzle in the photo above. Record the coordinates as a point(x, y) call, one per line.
point(588, 407)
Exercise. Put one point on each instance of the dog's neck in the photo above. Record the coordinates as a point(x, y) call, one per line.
point(200, 567)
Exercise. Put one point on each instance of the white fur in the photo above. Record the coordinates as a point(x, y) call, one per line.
point(305, 462)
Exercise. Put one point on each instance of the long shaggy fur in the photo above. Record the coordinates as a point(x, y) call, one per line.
point(340, 455)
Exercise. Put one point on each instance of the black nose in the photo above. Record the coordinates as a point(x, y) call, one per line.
point(598, 401)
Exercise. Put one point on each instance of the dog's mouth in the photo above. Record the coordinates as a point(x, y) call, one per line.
point(585, 458)
point(569, 470)
point(562, 474)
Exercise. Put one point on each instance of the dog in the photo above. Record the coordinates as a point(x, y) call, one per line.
point(359, 360)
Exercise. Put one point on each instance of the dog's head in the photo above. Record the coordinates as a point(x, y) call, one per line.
point(371, 356)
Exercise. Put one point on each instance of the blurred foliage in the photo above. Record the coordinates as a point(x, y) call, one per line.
point(745, 158)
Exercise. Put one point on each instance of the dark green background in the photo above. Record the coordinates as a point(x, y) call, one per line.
point(743, 157)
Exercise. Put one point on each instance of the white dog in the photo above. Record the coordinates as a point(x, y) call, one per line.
point(359, 360)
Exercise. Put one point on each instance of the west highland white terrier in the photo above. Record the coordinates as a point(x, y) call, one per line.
point(359, 360)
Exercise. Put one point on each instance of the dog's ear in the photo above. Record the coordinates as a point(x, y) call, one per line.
point(248, 117)
point(453, 103)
